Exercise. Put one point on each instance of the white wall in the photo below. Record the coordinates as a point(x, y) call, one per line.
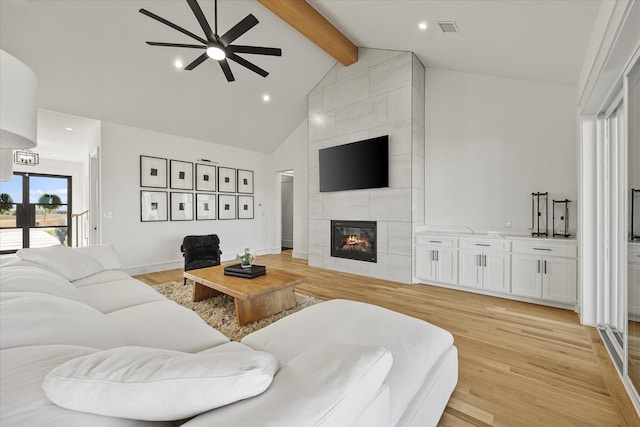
point(153, 246)
point(292, 155)
point(491, 142)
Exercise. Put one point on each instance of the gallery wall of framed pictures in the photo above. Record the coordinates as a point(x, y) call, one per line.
point(199, 191)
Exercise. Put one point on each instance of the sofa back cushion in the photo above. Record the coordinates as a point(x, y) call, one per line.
point(153, 384)
point(104, 254)
point(25, 278)
point(32, 319)
point(65, 261)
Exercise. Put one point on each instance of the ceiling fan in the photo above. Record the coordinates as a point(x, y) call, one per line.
point(215, 46)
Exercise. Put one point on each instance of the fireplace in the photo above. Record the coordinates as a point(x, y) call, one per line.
point(354, 240)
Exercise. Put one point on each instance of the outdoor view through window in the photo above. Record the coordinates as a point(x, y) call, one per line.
point(34, 211)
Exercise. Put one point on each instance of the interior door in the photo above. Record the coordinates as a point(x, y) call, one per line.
point(35, 211)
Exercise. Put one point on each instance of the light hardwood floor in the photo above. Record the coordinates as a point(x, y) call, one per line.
point(520, 364)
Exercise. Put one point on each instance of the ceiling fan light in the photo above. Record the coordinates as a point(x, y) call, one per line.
point(214, 52)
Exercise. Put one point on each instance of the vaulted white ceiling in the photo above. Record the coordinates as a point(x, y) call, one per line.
point(92, 61)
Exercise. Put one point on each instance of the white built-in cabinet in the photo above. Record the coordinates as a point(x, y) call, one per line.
point(484, 263)
point(532, 269)
point(437, 259)
point(544, 269)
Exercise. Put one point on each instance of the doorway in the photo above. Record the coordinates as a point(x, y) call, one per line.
point(286, 191)
point(35, 211)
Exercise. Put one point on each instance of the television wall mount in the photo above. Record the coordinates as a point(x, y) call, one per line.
point(539, 222)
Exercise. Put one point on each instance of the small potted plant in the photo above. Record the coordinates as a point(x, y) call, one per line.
point(245, 257)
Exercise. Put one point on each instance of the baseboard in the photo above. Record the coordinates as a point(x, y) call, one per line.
point(153, 268)
point(301, 255)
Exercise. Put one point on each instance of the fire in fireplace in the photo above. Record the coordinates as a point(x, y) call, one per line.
point(354, 240)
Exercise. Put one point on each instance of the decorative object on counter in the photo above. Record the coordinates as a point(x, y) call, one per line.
point(245, 257)
point(561, 226)
point(538, 223)
point(635, 214)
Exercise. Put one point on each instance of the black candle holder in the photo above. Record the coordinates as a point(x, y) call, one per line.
point(561, 208)
point(538, 222)
point(635, 222)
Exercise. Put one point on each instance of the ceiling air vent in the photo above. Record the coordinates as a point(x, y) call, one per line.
point(448, 27)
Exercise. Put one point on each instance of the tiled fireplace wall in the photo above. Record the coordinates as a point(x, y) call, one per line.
point(381, 94)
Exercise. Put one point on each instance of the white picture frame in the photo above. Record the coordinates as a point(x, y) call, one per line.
point(245, 207)
point(153, 206)
point(153, 172)
point(205, 206)
point(226, 206)
point(181, 175)
point(226, 180)
point(205, 177)
point(181, 206)
point(245, 181)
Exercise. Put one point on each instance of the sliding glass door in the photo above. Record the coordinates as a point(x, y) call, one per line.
point(632, 224)
point(35, 211)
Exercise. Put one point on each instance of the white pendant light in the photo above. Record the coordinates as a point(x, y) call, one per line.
point(18, 113)
point(6, 164)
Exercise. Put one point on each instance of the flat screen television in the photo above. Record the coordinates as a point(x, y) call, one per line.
point(354, 166)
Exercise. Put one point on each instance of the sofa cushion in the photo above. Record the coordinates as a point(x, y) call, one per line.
point(118, 294)
point(104, 254)
point(28, 318)
point(154, 384)
point(23, 278)
point(62, 259)
point(330, 384)
point(416, 345)
point(22, 400)
point(167, 325)
point(101, 277)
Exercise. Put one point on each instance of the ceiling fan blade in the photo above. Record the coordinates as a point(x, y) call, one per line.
point(227, 70)
point(248, 65)
point(239, 29)
point(199, 60)
point(172, 25)
point(195, 8)
point(273, 51)
point(193, 46)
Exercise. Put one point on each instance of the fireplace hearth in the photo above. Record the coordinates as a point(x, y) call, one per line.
point(354, 240)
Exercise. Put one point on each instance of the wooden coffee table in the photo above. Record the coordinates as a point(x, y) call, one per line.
point(254, 298)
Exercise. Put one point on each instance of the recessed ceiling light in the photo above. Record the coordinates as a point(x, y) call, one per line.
point(68, 129)
point(266, 97)
point(422, 26)
point(178, 63)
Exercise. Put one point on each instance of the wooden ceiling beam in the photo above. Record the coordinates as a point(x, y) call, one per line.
point(308, 21)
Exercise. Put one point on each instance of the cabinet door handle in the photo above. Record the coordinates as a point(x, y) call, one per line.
point(485, 260)
point(433, 255)
point(538, 266)
point(437, 255)
point(435, 241)
point(543, 249)
point(481, 244)
point(545, 267)
point(479, 260)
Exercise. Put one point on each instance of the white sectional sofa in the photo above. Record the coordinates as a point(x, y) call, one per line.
point(111, 351)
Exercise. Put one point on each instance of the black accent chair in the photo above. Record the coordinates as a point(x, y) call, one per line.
point(200, 252)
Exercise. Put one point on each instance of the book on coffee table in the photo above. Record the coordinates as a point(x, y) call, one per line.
point(248, 273)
